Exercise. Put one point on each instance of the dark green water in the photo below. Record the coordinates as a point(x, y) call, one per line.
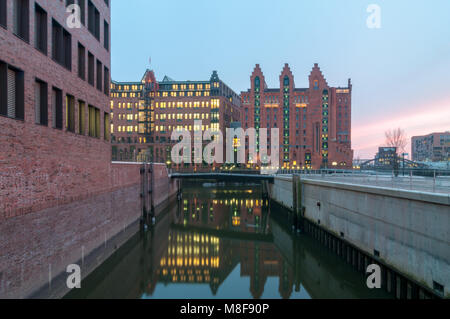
point(223, 241)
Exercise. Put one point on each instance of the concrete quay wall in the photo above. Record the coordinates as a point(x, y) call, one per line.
point(408, 231)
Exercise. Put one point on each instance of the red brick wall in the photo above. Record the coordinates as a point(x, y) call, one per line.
point(34, 244)
point(163, 187)
point(41, 167)
point(124, 174)
point(60, 196)
point(338, 152)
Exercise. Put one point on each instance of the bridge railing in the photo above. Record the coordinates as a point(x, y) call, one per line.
point(213, 171)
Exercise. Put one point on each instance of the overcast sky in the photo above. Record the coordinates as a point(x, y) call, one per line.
point(400, 72)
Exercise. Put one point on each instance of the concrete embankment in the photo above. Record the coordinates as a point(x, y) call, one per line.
point(407, 232)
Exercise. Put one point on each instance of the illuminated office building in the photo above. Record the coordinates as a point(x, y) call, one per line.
point(146, 113)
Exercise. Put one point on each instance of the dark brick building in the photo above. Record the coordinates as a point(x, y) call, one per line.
point(314, 122)
point(54, 103)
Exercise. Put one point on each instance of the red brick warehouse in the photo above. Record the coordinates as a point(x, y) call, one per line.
point(144, 115)
point(314, 122)
point(54, 103)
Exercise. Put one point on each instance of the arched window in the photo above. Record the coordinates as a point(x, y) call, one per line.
point(257, 82)
point(316, 85)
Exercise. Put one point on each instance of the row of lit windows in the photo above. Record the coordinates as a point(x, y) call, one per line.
point(124, 129)
point(196, 238)
point(128, 117)
point(162, 128)
point(126, 87)
point(215, 103)
point(188, 272)
point(190, 249)
point(183, 94)
point(126, 94)
point(191, 87)
point(186, 116)
point(196, 261)
point(127, 105)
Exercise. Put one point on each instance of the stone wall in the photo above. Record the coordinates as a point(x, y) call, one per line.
point(37, 247)
point(406, 230)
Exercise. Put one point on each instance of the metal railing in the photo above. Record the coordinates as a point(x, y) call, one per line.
point(424, 180)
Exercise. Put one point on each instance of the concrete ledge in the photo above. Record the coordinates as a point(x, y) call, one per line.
point(408, 229)
point(435, 198)
point(442, 199)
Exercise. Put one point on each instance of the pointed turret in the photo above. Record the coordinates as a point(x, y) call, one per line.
point(316, 79)
point(287, 78)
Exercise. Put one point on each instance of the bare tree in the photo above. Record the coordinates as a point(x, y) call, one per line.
point(396, 138)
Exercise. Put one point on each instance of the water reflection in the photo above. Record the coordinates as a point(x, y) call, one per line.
point(223, 242)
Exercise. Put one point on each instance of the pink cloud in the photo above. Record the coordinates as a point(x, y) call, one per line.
point(420, 120)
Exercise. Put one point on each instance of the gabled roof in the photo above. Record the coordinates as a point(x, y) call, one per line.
point(167, 79)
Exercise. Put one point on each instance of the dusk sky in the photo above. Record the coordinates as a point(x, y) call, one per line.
point(400, 72)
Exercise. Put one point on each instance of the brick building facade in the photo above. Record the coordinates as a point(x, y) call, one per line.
point(314, 122)
point(54, 97)
point(146, 113)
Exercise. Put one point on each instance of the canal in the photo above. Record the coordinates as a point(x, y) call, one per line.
point(223, 241)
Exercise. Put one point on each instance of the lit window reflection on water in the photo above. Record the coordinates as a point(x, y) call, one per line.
point(223, 241)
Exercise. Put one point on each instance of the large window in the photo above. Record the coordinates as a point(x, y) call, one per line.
point(106, 81)
point(106, 35)
point(41, 105)
point(57, 108)
point(97, 25)
point(94, 122)
point(40, 29)
point(93, 20)
point(21, 18)
point(11, 92)
point(82, 4)
point(81, 61)
point(99, 76)
point(257, 82)
point(62, 45)
point(106, 125)
point(81, 118)
point(91, 69)
point(3, 13)
point(70, 113)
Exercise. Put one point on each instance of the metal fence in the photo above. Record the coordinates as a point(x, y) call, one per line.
point(434, 181)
